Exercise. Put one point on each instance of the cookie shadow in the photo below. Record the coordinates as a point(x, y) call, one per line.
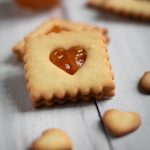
point(11, 60)
point(14, 86)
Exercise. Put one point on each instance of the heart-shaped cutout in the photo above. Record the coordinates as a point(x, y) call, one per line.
point(53, 139)
point(69, 60)
point(121, 123)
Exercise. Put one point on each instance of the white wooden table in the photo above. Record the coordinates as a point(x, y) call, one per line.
point(129, 50)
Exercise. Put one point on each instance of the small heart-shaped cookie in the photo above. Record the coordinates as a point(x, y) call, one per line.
point(53, 139)
point(145, 82)
point(69, 60)
point(121, 123)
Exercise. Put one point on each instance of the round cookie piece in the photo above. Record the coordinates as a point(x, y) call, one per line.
point(53, 139)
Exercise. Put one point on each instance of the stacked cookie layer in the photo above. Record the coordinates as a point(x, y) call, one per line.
point(56, 26)
point(135, 9)
point(47, 81)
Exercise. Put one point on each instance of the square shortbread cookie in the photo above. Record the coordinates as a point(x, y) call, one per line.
point(49, 84)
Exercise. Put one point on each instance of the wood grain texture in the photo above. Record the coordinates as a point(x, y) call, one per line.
point(20, 124)
point(130, 56)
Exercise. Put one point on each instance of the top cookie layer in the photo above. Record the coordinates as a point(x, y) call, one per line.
point(47, 81)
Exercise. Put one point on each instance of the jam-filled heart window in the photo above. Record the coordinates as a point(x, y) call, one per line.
point(69, 60)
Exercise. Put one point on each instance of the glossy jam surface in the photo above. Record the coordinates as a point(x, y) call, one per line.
point(37, 4)
point(57, 29)
point(69, 60)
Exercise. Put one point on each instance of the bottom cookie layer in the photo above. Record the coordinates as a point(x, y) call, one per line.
point(44, 103)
